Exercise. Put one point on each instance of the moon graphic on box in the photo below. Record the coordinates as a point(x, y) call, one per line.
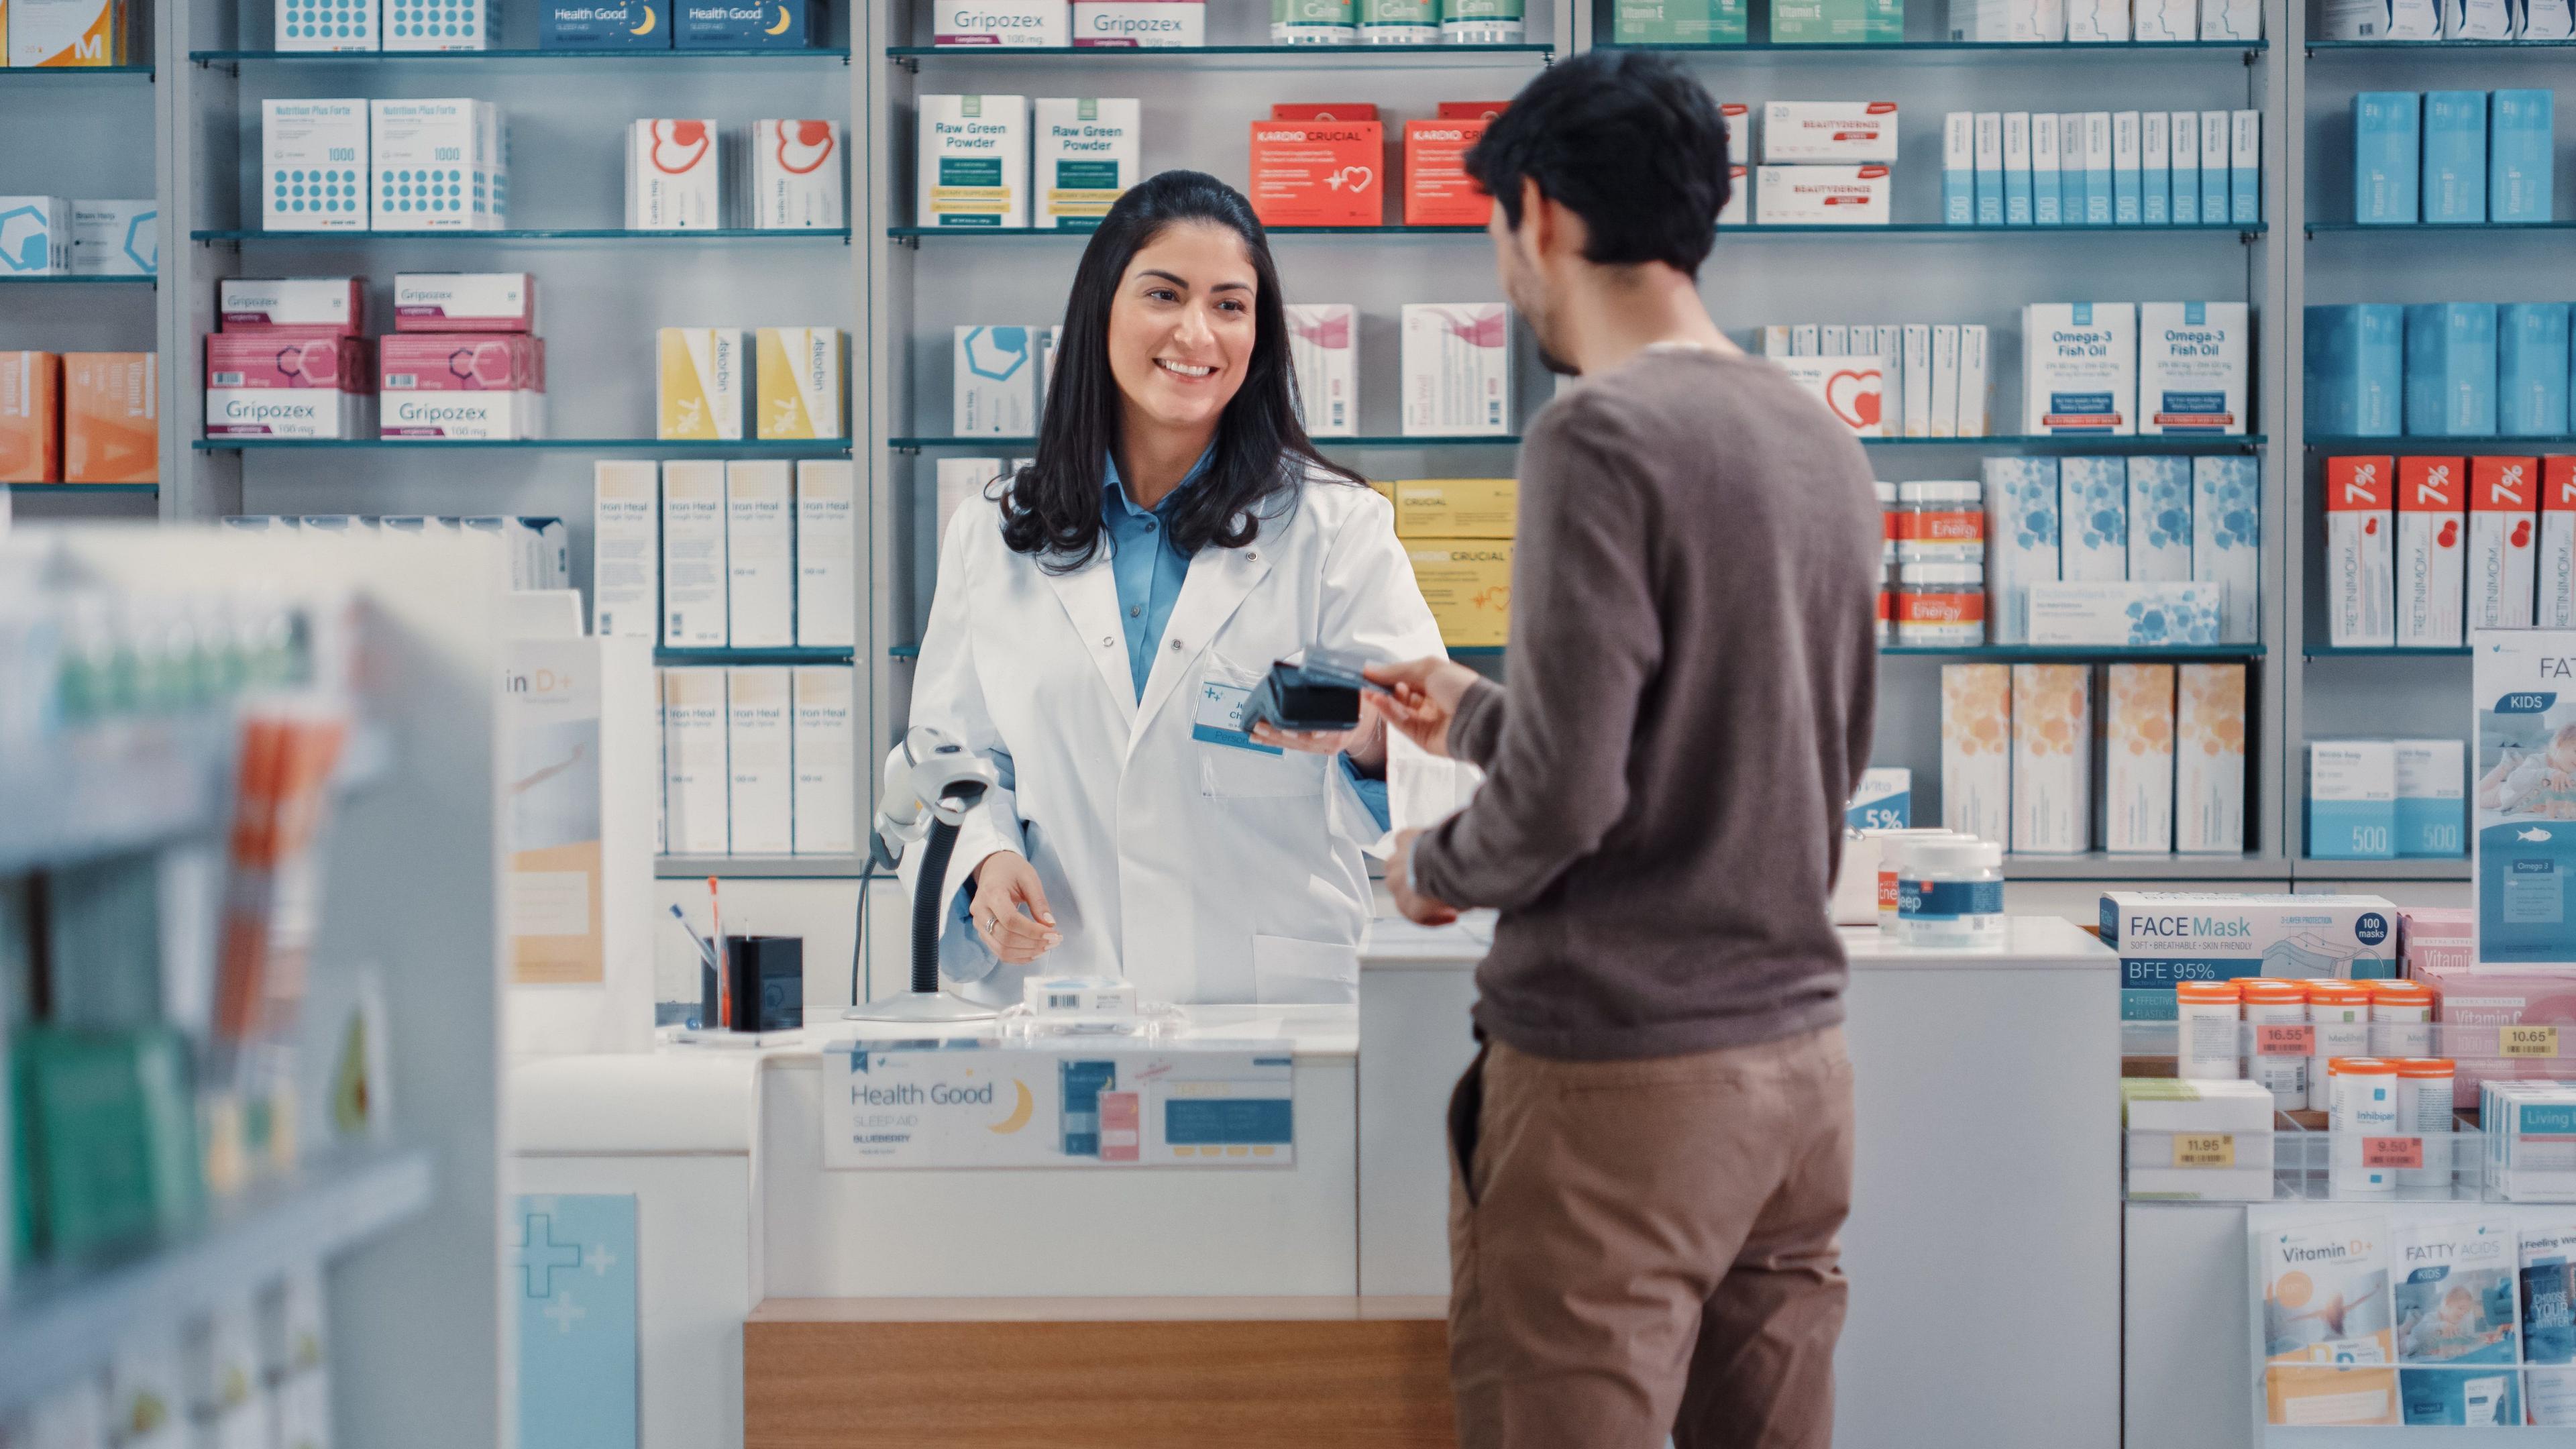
point(781, 29)
point(650, 20)
point(1020, 1112)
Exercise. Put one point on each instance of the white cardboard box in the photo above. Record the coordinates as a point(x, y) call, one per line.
point(962, 481)
point(974, 163)
point(626, 548)
point(313, 157)
point(438, 165)
point(826, 744)
point(798, 175)
point(2194, 372)
point(1821, 195)
point(1830, 133)
point(1086, 156)
point(2432, 545)
point(701, 384)
point(1851, 388)
point(674, 171)
point(1945, 380)
point(1976, 750)
point(2557, 563)
point(827, 586)
point(2052, 757)
point(2159, 518)
point(2080, 368)
point(2022, 530)
point(2093, 503)
point(1918, 380)
point(2138, 758)
point(760, 766)
point(996, 382)
point(1974, 392)
point(1324, 346)
point(694, 771)
point(2358, 582)
point(2209, 759)
point(465, 301)
point(1891, 395)
point(1457, 368)
point(978, 23)
point(695, 581)
point(1140, 24)
point(760, 555)
point(115, 238)
point(2122, 613)
point(2226, 539)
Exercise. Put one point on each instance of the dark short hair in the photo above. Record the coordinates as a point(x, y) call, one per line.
point(1627, 141)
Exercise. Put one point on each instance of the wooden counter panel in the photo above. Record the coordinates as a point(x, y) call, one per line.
point(937, 1380)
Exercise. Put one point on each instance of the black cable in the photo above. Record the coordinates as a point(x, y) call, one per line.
point(868, 876)
point(926, 905)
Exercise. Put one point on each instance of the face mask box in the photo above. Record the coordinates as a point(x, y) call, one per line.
point(2451, 369)
point(996, 383)
point(797, 373)
point(626, 548)
point(1468, 584)
point(2021, 540)
point(2093, 499)
point(2193, 373)
point(2359, 526)
point(674, 173)
point(2557, 564)
point(314, 156)
point(35, 236)
point(1828, 133)
point(2432, 798)
point(2165, 937)
point(748, 24)
point(2052, 756)
point(116, 238)
point(1456, 364)
point(1679, 22)
point(2226, 534)
point(796, 175)
point(1437, 189)
point(760, 555)
point(826, 756)
point(31, 414)
point(2356, 369)
point(330, 304)
point(2504, 521)
point(481, 387)
point(1323, 347)
point(2432, 550)
point(701, 393)
point(2531, 369)
point(443, 25)
point(2352, 800)
point(694, 782)
point(2185, 147)
point(57, 34)
point(2080, 368)
point(2455, 156)
point(1976, 750)
point(1318, 173)
point(974, 168)
point(826, 554)
point(2209, 759)
point(2019, 22)
point(1139, 24)
point(603, 25)
point(439, 165)
point(2159, 519)
point(111, 417)
point(695, 574)
point(2138, 758)
point(1821, 196)
point(261, 384)
point(1086, 156)
point(465, 302)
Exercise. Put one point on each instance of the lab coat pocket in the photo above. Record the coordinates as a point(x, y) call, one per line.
point(1290, 972)
point(1232, 766)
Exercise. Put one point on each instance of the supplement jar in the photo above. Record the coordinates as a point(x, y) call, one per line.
point(1892, 845)
point(1941, 523)
point(2209, 1015)
point(2364, 1091)
point(1951, 895)
point(2401, 1019)
point(2424, 1110)
point(2340, 1011)
point(1941, 604)
point(2270, 1002)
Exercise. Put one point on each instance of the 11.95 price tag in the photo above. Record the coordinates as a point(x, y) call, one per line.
point(2204, 1149)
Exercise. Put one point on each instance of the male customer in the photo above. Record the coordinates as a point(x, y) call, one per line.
point(1653, 1153)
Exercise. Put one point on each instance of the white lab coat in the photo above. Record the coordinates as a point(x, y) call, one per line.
point(1201, 871)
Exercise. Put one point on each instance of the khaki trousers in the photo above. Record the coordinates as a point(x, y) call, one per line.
point(1643, 1247)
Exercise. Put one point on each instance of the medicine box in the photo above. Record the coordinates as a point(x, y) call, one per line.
point(2379, 20)
point(2387, 157)
point(465, 302)
point(327, 25)
point(2159, 518)
point(439, 165)
point(604, 25)
point(2079, 368)
point(35, 236)
point(2359, 525)
point(2432, 798)
point(2531, 369)
point(1086, 157)
point(1679, 22)
point(2231, 19)
point(1009, 23)
point(2127, 156)
point(2165, 21)
point(2477, 19)
point(2185, 126)
point(748, 24)
point(2209, 758)
point(2245, 167)
point(1318, 172)
point(760, 555)
point(2155, 168)
point(695, 576)
point(996, 389)
point(2158, 1112)
point(961, 481)
point(827, 589)
point(2138, 758)
point(2451, 369)
point(114, 238)
point(626, 548)
point(1139, 24)
point(313, 156)
point(2021, 22)
point(1457, 507)
point(797, 372)
point(1833, 133)
point(2124, 614)
point(2544, 20)
point(1974, 391)
point(2097, 20)
point(1885, 800)
point(702, 393)
point(2193, 368)
point(2432, 548)
point(58, 34)
point(1456, 363)
point(2162, 937)
point(1976, 750)
point(1851, 388)
point(259, 384)
point(2100, 187)
point(2052, 756)
point(2352, 800)
point(2356, 369)
point(2504, 517)
point(2435, 938)
point(2556, 606)
point(2455, 156)
point(1959, 169)
point(2046, 174)
point(333, 304)
point(2215, 207)
point(31, 417)
point(1468, 584)
point(974, 164)
point(481, 387)
point(1822, 196)
point(111, 417)
point(442, 24)
point(1819, 22)
point(674, 171)
point(2093, 498)
point(2226, 535)
point(1323, 346)
point(1989, 160)
point(797, 175)
point(2022, 527)
point(1437, 189)
point(694, 779)
point(826, 759)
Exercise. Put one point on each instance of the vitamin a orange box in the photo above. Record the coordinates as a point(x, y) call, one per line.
point(1318, 173)
point(31, 417)
point(111, 417)
point(1437, 189)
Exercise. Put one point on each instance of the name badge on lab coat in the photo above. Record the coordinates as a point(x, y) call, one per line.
point(1220, 717)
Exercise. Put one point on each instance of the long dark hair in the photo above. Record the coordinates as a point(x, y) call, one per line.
point(1052, 507)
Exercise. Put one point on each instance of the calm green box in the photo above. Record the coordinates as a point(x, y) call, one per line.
point(1679, 22)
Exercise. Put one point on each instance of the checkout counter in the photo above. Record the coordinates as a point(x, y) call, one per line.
point(783, 1303)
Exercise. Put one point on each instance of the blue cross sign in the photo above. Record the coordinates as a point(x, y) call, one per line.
point(540, 1256)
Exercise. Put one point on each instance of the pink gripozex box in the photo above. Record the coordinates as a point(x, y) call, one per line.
point(289, 383)
point(478, 386)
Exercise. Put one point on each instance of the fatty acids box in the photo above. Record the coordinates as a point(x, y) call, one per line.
point(313, 156)
point(796, 175)
point(1317, 172)
point(481, 386)
point(2163, 937)
point(1139, 24)
point(673, 176)
point(2192, 370)
point(974, 162)
point(2080, 368)
point(1457, 368)
point(1086, 156)
point(1323, 346)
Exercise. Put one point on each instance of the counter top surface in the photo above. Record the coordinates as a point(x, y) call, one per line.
point(2031, 942)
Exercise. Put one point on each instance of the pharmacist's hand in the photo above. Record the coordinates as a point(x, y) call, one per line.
point(1011, 912)
point(1422, 910)
point(1366, 745)
point(1424, 698)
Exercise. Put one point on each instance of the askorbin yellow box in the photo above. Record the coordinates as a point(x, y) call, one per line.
point(701, 393)
point(1468, 584)
point(797, 371)
point(1457, 508)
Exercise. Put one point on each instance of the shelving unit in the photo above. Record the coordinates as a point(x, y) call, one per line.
point(658, 447)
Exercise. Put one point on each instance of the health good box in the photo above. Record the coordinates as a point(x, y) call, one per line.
point(604, 25)
point(764, 25)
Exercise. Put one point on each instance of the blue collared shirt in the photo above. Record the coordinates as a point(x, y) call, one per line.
point(1148, 567)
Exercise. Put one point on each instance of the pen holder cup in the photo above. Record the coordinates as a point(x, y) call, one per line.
point(767, 976)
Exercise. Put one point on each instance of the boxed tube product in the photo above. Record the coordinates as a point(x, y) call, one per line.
point(2451, 369)
point(599, 24)
point(1318, 172)
point(2556, 608)
point(694, 780)
point(2193, 373)
point(2163, 937)
point(673, 176)
point(1468, 584)
point(701, 392)
point(1990, 168)
point(2352, 800)
point(2504, 509)
point(797, 175)
point(444, 25)
point(827, 588)
point(1086, 157)
point(1959, 168)
point(463, 302)
point(2356, 370)
point(2226, 536)
point(760, 555)
point(2079, 368)
point(2209, 759)
point(31, 417)
point(1825, 196)
point(2052, 755)
point(2531, 369)
point(2455, 156)
point(2387, 157)
point(2022, 530)
point(2432, 545)
point(826, 756)
point(2360, 524)
point(695, 575)
point(111, 417)
point(1977, 750)
point(2186, 169)
point(2138, 758)
point(1323, 347)
point(313, 155)
point(332, 304)
point(974, 168)
point(2432, 797)
point(2519, 155)
point(2093, 496)
point(1437, 189)
point(107, 239)
point(1135, 24)
point(2159, 519)
point(438, 165)
point(996, 383)
point(1042, 23)
point(1457, 368)
point(2127, 157)
point(259, 384)
point(1830, 133)
point(626, 548)
point(2120, 613)
point(798, 374)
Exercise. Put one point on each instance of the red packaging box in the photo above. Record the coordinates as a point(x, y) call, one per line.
point(1471, 110)
point(31, 417)
point(1318, 173)
point(1325, 111)
point(1437, 189)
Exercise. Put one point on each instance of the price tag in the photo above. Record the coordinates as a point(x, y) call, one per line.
point(2204, 1149)
point(2527, 1041)
point(2392, 1152)
point(2285, 1041)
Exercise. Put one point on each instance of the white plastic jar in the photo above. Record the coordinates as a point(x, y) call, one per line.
point(2209, 1017)
point(2340, 1011)
point(1941, 604)
point(2270, 1002)
point(1892, 845)
point(1941, 522)
point(2424, 1104)
point(2364, 1091)
point(1887, 521)
point(2401, 1019)
point(1951, 895)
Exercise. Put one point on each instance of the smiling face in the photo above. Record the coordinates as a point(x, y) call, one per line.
point(1181, 329)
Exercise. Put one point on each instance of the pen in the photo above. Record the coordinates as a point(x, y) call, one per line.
point(706, 952)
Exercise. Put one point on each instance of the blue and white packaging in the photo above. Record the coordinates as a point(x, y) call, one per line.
point(2451, 369)
point(2127, 207)
point(604, 25)
point(328, 25)
point(2044, 210)
point(2155, 168)
point(2379, 20)
point(1885, 800)
point(2531, 369)
point(2079, 368)
point(2119, 614)
point(2021, 541)
point(2231, 19)
point(443, 25)
point(1990, 168)
point(1959, 168)
point(2159, 518)
point(2194, 372)
point(2519, 158)
point(2093, 499)
point(2097, 21)
point(2186, 169)
point(2165, 21)
point(2477, 19)
point(2352, 800)
point(2387, 157)
point(2432, 798)
point(2524, 815)
point(2070, 168)
point(2017, 198)
point(2455, 157)
point(116, 238)
point(2226, 540)
point(2097, 168)
point(313, 154)
point(2162, 937)
point(2356, 370)
point(2214, 208)
point(2245, 167)
point(2544, 20)
point(746, 24)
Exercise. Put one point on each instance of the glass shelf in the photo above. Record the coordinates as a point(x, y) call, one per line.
point(408, 57)
point(575, 234)
point(1456, 651)
point(1911, 230)
point(2437, 228)
point(1911, 49)
point(1457, 441)
point(2086, 442)
point(754, 656)
point(2075, 653)
point(144, 281)
point(1066, 233)
point(2376, 651)
point(69, 72)
point(674, 447)
point(2100, 865)
point(2419, 46)
point(79, 488)
point(2419, 444)
point(1331, 55)
point(760, 867)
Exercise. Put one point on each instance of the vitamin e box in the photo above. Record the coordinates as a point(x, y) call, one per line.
point(1318, 173)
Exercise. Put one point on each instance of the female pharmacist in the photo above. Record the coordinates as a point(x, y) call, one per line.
point(1100, 620)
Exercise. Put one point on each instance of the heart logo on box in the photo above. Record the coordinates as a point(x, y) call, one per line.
point(1854, 397)
point(803, 146)
point(1354, 179)
point(679, 139)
